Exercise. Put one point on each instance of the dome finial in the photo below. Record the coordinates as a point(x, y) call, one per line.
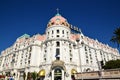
point(57, 10)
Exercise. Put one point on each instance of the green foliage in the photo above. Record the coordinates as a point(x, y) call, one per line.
point(28, 76)
point(24, 75)
point(112, 64)
point(34, 75)
point(116, 37)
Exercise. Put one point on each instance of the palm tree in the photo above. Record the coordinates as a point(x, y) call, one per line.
point(116, 37)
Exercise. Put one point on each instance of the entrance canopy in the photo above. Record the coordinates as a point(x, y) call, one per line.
point(58, 63)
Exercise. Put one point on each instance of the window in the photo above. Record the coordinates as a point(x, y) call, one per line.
point(87, 61)
point(57, 51)
point(30, 49)
point(13, 55)
point(45, 51)
point(91, 62)
point(67, 33)
point(89, 50)
point(52, 23)
point(57, 31)
point(57, 54)
point(71, 55)
point(57, 44)
point(70, 59)
point(57, 35)
point(101, 53)
point(62, 31)
point(45, 44)
point(52, 32)
point(82, 37)
point(90, 55)
point(44, 59)
point(85, 48)
point(29, 62)
point(86, 56)
point(44, 55)
point(29, 56)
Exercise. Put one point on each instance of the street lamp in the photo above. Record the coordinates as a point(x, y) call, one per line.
point(78, 47)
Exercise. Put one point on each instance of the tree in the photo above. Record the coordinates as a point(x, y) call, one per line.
point(112, 64)
point(24, 75)
point(34, 75)
point(29, 76)
point(116, 37)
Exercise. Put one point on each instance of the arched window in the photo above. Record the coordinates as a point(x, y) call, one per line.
point(62, 31)
point(52, 23)
point(57, 54)
point(57, 44)
point(52, 32)
point(57, 31)
point(88, 70)
point(57, 74)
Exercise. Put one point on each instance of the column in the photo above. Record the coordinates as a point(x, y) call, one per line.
point(52, 74)
point(63, 77)
point(26, 72)
point(18, 75)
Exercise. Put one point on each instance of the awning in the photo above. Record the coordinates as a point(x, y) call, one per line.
point(73, 71)
point(42, 72)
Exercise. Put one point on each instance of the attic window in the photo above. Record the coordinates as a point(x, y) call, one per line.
point(52, 23)
point(63, 23)
point(26, 38)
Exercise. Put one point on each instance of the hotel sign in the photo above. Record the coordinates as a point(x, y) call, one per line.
point(75, 29)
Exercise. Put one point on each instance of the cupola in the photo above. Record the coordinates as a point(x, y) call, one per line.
point(58, 20)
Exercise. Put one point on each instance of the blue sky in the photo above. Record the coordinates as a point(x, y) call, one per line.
point(96, 18)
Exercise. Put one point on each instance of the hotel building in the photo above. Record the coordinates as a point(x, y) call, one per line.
point(55, 55)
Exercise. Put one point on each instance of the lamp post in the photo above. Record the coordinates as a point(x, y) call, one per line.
point(78, 47)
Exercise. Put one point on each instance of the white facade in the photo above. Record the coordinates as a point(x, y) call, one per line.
point(57, 54)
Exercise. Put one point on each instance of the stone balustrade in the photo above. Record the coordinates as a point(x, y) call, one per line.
point(104, 74)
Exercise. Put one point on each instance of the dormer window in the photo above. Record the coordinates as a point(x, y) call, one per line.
point(52, 23)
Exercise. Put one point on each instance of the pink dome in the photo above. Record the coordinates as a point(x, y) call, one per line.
point(58, 20)
point(54, 19)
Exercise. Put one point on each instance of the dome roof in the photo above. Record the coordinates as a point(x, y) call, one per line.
point(58, 20)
